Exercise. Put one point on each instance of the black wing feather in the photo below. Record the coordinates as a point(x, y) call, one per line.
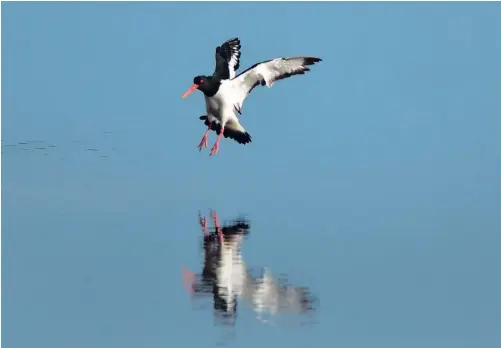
point(224, 53)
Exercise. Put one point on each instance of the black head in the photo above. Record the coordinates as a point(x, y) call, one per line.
point(207, 84)
point(200, 80)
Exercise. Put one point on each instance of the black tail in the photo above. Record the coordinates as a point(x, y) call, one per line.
point(239, 137)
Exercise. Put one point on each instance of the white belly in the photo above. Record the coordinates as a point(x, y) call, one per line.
point(221, 106)
point(231, 273)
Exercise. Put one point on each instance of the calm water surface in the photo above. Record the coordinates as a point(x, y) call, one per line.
point(369, 199)
point(109, 258)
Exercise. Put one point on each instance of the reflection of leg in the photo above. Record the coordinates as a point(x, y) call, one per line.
point(188, 280)
point(203, 224)
point(215, 220)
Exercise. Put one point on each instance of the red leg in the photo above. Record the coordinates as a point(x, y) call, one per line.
point(204, 142)
point(215, 219)
point(215, 148)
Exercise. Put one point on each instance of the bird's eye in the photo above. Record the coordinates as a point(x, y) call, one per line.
point(201, 81)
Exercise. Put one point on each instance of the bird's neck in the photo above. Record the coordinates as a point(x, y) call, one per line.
point(212, 86)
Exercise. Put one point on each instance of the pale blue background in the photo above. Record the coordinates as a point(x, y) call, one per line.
point(374, 179)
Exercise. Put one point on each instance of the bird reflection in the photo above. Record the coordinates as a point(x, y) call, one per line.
point(227, 279)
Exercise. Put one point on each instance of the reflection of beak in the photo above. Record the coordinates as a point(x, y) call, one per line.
point(192, 88)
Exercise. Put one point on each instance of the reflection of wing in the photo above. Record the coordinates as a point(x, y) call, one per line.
point(271, 296)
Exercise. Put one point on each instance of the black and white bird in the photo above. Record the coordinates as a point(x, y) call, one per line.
point(226, 277)
point(225, 91)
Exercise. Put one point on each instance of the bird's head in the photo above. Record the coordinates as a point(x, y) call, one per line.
point(204, 84)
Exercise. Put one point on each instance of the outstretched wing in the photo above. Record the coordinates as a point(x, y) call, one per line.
point(231, 131)
point(277, 296)
point(266, 73)
point(227, 59)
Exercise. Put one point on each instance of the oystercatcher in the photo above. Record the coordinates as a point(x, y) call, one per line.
point(225, 92)
point(223, 273)
point(227, 278)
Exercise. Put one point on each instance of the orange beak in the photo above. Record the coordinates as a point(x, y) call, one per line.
point(192, 88)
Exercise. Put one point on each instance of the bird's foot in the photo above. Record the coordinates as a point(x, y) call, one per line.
point(204, 142)
point(215, 220)
point(214, 149)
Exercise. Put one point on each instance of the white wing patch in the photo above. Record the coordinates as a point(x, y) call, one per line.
point(267, 73)
point(228, 59)
point(234, 61)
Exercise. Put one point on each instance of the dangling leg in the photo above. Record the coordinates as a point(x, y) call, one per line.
point(204, 142)
point(215, 219)
point(215, 148)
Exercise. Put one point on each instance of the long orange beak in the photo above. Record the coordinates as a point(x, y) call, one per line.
point(192, 88)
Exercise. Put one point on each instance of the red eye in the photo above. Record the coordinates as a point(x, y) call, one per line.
point(201, 81)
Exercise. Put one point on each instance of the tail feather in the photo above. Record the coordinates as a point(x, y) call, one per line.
point(229, 131)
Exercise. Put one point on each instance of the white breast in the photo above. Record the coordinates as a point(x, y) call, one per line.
point(231, 272)
point(221, 105)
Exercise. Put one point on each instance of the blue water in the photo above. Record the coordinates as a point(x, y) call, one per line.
point(372, 181)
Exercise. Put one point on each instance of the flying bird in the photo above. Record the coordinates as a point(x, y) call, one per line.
point(225, 91)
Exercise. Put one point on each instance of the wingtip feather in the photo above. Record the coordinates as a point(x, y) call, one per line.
point(311, 60)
